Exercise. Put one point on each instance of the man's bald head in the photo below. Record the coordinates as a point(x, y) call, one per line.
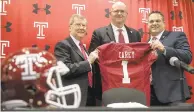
point(119, 3)
point(118, 14)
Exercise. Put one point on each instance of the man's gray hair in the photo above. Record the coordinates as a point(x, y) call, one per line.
point(78, 16)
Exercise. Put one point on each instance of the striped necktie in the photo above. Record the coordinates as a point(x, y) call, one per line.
point(121, 37)
point(85, 57)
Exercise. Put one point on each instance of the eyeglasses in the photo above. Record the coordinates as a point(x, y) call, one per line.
point(152, 21)
point(79, 25)
point(121, 11)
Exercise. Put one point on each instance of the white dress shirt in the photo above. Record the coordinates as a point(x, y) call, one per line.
point(158, 37)
point(77, 44)
point(116, 33)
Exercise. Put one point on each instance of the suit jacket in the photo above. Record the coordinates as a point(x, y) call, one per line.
point(166, 78)
point(102, 36)
point(67, 52)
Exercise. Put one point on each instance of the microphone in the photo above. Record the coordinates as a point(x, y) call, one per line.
point(174, 61)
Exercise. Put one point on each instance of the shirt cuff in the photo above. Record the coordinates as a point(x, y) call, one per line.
point(90, 65)
point(164, 51)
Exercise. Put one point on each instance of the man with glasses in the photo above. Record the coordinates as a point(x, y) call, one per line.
point(72, 52)
point(117, 32)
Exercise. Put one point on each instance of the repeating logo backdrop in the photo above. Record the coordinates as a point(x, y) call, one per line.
point(45, 22)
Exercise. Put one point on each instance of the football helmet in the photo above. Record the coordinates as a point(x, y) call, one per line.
point(33, 76)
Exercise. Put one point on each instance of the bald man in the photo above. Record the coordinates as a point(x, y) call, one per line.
point(112, 33)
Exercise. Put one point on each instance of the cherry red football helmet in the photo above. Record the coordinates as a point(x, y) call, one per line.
point(34, 76)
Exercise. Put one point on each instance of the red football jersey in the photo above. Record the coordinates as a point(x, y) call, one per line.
point(126, 65)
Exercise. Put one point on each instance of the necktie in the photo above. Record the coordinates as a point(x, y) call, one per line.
point(85, 57)
point(154, 38)
point(121, 37)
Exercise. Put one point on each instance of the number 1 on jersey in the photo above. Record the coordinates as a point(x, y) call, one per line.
point(126, 78)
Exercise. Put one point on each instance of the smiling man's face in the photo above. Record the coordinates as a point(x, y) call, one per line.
point(155, 24)
point(79, 28)
point(118, 14)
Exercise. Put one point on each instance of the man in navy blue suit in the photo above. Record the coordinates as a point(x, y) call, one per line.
point(166, 87)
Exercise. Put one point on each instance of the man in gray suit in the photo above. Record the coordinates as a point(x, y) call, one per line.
point(117, 32)
point(71, 52)
point(166, 87)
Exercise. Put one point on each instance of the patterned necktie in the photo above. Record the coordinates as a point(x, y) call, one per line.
point(121, 37)
point(154, 38)
point(85, 57)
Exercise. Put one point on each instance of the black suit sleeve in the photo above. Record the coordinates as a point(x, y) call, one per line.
point(181, 49)
point(95, 42)
point(64, 53)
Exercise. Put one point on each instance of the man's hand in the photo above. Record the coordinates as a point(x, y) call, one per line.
point(157, 45)
point(93, 55)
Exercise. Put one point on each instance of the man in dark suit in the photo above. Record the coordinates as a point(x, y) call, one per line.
point(117, 32)
point(74, 55)
point(166, 87)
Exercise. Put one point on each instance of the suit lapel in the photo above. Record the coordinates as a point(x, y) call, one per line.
point(86, 51)
point(74, 47)
point(149, 39)
point(110, 33)
point(164, 35)
point(129, 32)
